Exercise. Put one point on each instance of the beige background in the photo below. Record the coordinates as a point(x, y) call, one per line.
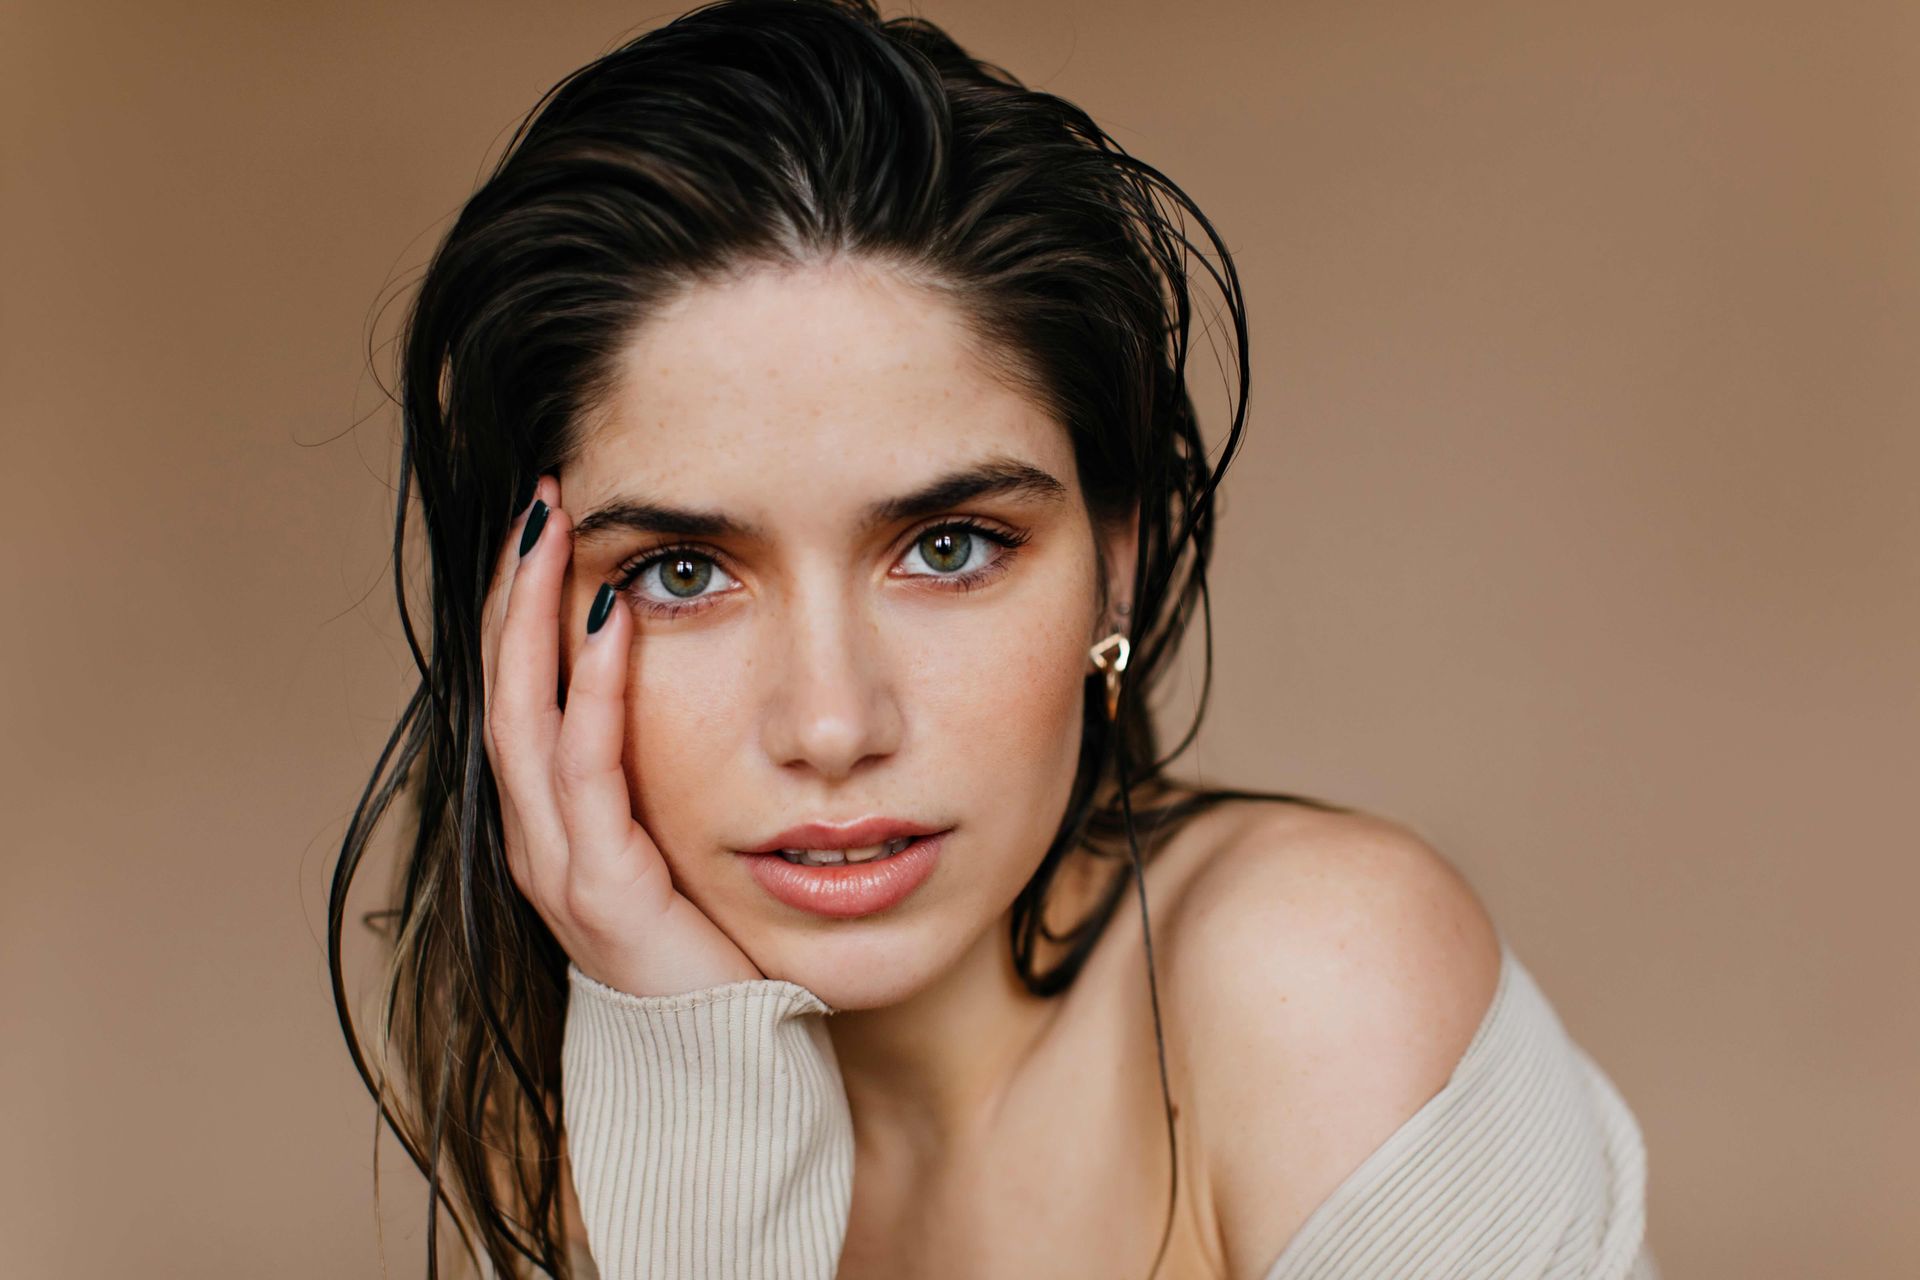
point(1576, 527)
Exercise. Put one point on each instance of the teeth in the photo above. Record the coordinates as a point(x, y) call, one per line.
point(834, 857)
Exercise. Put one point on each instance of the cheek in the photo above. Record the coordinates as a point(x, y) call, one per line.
point(685, 712)
point(1004, 700)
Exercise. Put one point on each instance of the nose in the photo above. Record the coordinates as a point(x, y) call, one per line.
point(833, 705)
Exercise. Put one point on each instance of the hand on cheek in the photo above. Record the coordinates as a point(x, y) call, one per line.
point(572, 845)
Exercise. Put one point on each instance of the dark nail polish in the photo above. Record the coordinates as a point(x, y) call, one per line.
point(536, 521)
point(602, 606)
point(524, 494)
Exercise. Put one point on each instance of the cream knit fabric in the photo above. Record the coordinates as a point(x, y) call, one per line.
point(710, 1137)
point(709, 1132)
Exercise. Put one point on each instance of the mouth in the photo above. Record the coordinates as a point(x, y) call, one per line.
point(831, 843)
point(836, 857)
point(849, 882)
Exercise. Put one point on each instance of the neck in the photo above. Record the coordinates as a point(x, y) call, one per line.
point(935, 1067)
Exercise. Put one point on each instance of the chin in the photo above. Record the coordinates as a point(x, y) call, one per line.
point(856, 964)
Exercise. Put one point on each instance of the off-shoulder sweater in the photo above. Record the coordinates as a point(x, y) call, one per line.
point(710, 1136)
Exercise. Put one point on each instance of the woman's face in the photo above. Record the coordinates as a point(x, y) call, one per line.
point(821, 657)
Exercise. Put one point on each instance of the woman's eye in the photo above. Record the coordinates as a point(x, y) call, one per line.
point(946, 550)
point(677, 578)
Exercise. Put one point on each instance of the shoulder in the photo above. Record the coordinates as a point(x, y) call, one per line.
point(1326, 972)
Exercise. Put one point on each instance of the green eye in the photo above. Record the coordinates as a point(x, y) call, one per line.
point(685, 576)
point(688, 580)
point(946, 549)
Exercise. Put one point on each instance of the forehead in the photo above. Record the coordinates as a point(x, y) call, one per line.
point(828, 383)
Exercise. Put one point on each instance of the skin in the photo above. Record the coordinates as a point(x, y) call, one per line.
point(830, 670)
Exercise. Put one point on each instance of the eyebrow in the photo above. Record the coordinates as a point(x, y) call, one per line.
point(1001, 476)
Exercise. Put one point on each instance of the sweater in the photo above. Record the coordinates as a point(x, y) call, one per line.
point(710, 1136)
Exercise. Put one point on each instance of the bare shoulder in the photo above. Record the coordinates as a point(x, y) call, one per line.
point(1325, 974)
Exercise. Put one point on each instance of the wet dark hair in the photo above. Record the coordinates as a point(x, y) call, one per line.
point(744, 134)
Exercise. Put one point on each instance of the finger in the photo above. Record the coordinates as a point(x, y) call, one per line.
point(590, 778)
point(526, 657)
point(524, 714)
point(492, 616)
point(499, 589)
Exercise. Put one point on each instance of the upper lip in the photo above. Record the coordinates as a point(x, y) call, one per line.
point(859, 834)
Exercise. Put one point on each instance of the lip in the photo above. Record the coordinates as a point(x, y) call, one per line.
point(858, 834)
point(848, 890)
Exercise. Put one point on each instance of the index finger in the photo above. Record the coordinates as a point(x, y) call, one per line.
point(524, 705)
point(500, 590)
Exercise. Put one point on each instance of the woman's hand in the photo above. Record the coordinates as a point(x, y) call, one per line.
point(572, 843)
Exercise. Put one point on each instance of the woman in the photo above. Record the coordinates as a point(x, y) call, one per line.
point(812, 496)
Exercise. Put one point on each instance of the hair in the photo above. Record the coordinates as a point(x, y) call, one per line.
point(749, 134)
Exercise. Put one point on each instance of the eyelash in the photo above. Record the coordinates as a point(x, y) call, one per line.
point(629, 573)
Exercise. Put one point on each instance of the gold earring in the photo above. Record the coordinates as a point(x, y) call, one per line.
point(1110, 655)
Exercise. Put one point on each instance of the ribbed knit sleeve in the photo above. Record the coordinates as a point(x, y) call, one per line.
point(709, 1132)
point(1527, 1165)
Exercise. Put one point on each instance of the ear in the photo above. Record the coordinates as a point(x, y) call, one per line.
point(1117, 540)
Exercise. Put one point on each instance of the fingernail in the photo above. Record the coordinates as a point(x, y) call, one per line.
point(524, 494)
point(602, 606)
point(536, 521)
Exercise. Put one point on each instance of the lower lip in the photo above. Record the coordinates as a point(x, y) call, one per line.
point(847, 890)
